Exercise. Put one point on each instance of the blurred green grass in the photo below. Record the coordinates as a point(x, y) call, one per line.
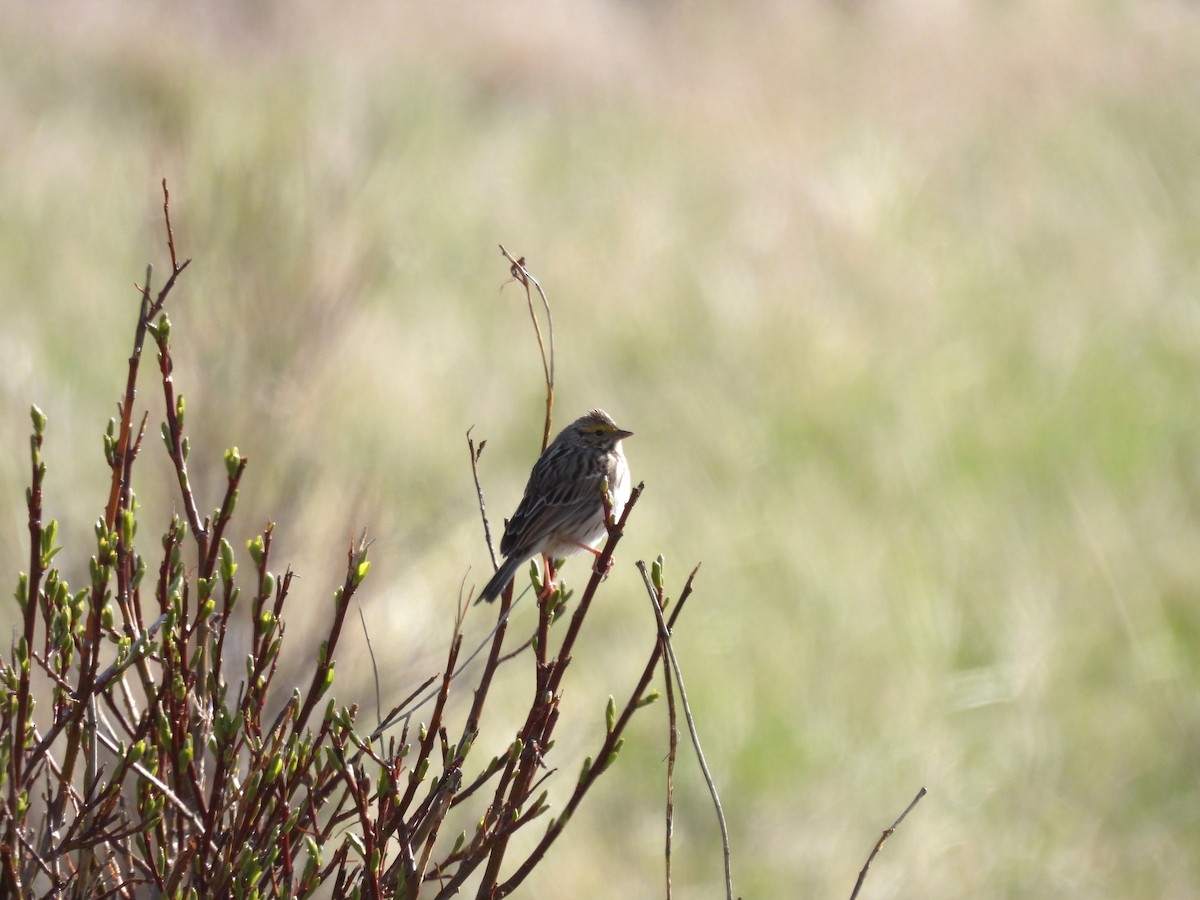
point(901, 304)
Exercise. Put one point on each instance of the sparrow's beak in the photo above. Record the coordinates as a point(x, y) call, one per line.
point(622, 434)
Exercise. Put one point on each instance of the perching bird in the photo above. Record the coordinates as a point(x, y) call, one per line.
point(562, 511)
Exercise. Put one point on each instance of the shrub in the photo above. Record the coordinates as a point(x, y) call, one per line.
point(156, 766)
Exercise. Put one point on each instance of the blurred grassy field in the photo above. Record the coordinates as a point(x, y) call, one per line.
point(903, 305)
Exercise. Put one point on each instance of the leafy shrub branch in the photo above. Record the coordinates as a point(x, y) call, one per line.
point(137, 756)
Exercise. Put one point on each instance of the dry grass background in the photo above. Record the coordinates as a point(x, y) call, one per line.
point(902, 301)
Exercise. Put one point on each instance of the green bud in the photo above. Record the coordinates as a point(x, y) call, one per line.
point(225, 726)
point(252, 784)
point(361, 572)
point(228, 565)
point(612, 757)
point(139, 571)
point(49, 536)
point(110, 442)
point(656, 572)
point(39, 420)
point(256, 549)
point(22, 592)
point(128, 527)
point(610, 715)
point(466, 745)
point(314, 850)
point(179, 408)
point(648, 699)
point(233, 461)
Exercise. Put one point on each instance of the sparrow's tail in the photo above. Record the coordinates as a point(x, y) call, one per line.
point(500, 580)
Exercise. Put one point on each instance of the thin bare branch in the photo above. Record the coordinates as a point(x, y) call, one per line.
point(521, 275)
point(665, 634)
point(887, 833)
